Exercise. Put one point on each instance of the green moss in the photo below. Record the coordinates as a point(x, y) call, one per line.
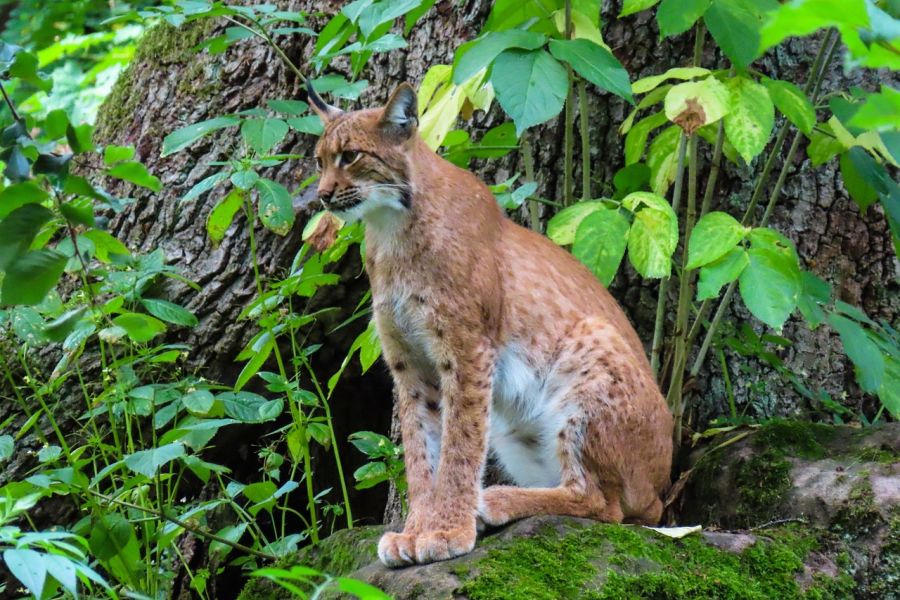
point(858, 517)
point(161, 46)
point(885, 456)
point(885, 582)
point(797, 438)
point(763, 481)
point(641, 565)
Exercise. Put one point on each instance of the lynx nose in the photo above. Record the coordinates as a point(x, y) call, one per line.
point(325, 195)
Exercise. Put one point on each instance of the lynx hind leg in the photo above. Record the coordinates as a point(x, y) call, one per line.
point(578, 495)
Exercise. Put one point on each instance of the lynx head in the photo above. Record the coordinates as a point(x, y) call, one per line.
point(363, 155)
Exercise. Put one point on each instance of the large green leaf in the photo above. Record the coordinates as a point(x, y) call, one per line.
point(662, 159)
point(814, 294)
point(248, 407)
point(595, 63)
point(18, 229)
point(263, 134)
point(20, 194)
point(770, 285)
point(735, 25)
point(889, 392)
point(139, 327)
point(694, 104)
point(720, 272)
point(677, 16)
point(276, 209)
point(169, 311)
point(473, 56)
point(802, 17)
point(864, 353)
point(646, 84)
point(531, 86)
point(632, 6)
point(714, 235)
point(137, 174)
point(600, 242)
point(148, 462)
point(30, 276)
point(636, 138)
point(28, 567)
point(653, 235)
point(114, 543)
point(562, 227)
point(749, 123)
point(222, 214)
point(792, 103)
point(184, 137)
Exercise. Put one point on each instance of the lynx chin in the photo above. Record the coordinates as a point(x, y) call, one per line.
point(498, 342)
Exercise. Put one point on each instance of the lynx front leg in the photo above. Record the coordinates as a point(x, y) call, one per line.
point(450, 529)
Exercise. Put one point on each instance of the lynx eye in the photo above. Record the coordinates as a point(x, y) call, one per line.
point(348, 157)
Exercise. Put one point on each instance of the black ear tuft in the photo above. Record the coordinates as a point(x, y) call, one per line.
point(401, 111)
point(325, 111)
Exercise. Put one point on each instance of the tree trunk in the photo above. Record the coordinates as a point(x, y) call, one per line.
point(169, 86)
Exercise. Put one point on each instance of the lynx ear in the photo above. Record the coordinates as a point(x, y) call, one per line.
point(400, 113)
point(325, 111)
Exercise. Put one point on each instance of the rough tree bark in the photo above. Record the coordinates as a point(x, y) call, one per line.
point(169, 85)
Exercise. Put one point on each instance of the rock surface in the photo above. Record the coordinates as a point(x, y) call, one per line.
point(814, 512)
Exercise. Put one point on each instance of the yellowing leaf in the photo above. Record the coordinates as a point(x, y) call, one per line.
point(697, 103)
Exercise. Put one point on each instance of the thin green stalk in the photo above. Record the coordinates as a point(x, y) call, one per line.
point(585, 140)
point(659, 323)
point(813, 84)
point(714, 168)
point(729, 392)
point(569, 123)
point(263, 34)
point(297, 417)
point(674, 396)
point(534, 211)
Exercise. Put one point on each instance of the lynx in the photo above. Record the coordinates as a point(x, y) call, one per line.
point(497, 341)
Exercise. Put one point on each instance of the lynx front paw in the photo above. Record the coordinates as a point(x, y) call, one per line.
point(493, 509)
point(397, 549)
point(432, 546)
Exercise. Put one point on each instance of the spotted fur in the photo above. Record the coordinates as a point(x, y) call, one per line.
point(498, 341)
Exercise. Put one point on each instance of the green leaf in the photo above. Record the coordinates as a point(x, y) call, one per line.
point(360, 589)
point(198, 402)
point(889, 392)
point(79, 210)
point(662, 159)
point(636, 138)
point(714, 235)
point(814, 294)
point(105, 244)
point(80, 138)
point(770, 285)
point(562, 226)
point(137, 174)
point(59, 328)
point(735, 25)
point(310, 124)
point(20, 194)
point(222, 214)
point(862, 177)
point(632, 6)
point(205, 185)
point(184, 137)
point(276, 209)
point(646, 84)
point(694, 104)
point(531, 86)
point(253, 365)
point(677, 16)
point(288, 107)
point(749, 123)
point(879, 112)
point(865, 354)
point(114, 154)
point(18, 229)
point(148, 462)
point(600, 242)
point(474, 56)
point(792, 103)
point(800, 18)
point(823, 145)
point(26, 566)
point(7, 445)
point(248, 407)
point(263, 134)
point(169, 311)
point(653, 235)
point(595, 63)
point(244, 179)
point(31, 276)
point(720, 272)
point(140, 328)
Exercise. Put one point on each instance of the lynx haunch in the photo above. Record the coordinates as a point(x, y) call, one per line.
point(498, 341)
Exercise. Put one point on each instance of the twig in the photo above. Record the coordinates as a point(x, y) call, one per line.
point(779, 522)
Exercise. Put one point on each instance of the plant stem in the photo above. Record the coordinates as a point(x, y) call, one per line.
point(713, 169)
point(659, 324)
point(674, 396)
point(9, 103)
point(184, 525)
point(569, 124)
point(813, 84)
point(585, 140)
point(534, 211)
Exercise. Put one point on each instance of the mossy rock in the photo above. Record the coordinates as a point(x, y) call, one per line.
point(551, 558)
